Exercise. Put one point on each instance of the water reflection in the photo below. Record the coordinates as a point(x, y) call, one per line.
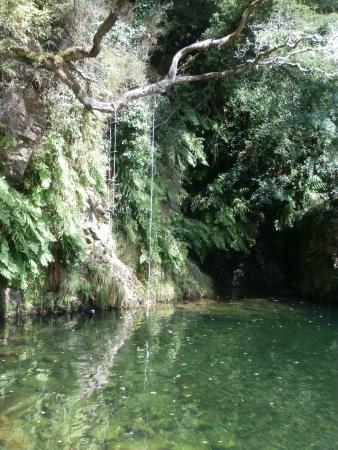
point(249, 375)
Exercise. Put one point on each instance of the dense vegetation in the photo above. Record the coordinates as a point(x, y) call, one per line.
point(244, 165)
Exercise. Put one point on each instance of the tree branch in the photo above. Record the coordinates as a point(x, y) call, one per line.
point(77, 53)
point(62, 63)
point(300, 67)
point(121, 8)
point(209, 43)
point(166, 83)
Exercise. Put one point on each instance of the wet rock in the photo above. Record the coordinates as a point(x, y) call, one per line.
point(100, 247)
point(15, 163)
point(102, 233)
point(22, 112)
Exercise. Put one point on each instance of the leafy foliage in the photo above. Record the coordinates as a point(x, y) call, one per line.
point(42, 223)
point(25, 237)
point(232, 156)
point(134, 190)
point(34, 23)
point(268, 140)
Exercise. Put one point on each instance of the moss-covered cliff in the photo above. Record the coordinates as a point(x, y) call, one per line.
point(57, 247)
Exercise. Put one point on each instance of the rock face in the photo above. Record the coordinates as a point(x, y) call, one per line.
point(101, 246)
point(16, 162)
point(22, 117)
point(23, 122)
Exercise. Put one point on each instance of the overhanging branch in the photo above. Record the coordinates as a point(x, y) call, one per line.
point(209, 43)
point(72, 54)
point(62, 63)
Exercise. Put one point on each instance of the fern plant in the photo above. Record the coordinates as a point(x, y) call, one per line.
point(25, 237)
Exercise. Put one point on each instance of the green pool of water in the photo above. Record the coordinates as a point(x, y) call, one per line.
point(251, 374)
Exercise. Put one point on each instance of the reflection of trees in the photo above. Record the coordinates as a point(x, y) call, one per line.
point(95, 394)
point(77, 354)
point(95, 376)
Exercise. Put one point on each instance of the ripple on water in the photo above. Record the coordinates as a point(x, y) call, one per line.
point(247, 374)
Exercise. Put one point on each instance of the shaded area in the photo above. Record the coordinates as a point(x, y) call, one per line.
point(299, 261)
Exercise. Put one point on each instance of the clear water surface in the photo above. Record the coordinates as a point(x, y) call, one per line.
point(252, 374)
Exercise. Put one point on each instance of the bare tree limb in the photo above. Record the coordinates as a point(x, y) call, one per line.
point(165, 84)
point(299, 66)
point(261, 59)
point(121, 8)
point(209, 43)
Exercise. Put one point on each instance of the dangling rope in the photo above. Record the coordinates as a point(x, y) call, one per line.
point(112, 170)
point(152, 168)
point(109, 172)
point(114, 163)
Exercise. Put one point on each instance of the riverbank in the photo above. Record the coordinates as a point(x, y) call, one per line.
point(164, 290)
